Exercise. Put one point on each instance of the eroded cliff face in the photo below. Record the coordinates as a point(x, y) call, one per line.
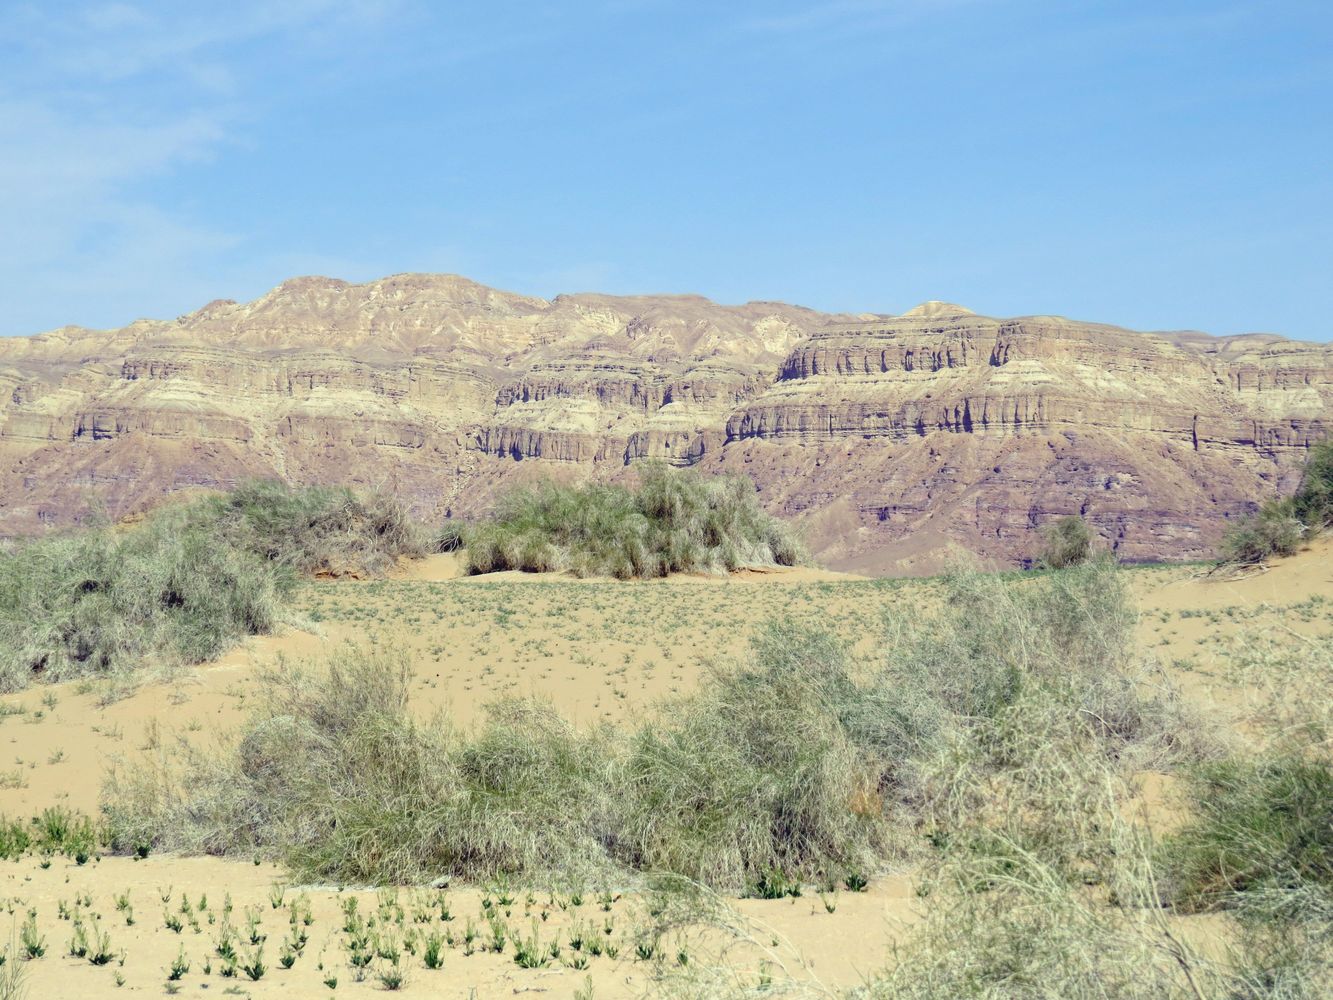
point(900, 438)
point(890, 438)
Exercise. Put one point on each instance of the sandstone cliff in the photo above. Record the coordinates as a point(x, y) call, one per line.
point(890, 438)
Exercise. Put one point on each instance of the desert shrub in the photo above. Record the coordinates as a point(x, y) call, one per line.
point(186, 583)
point(1259, 843)
point(104, 600)
point(1274, 531)
point(1008, 924)
point(1262, 828)
point(673, 522)
point(1068, 542)
point(313, 529)
point(803, 763)
point(335, 778)
point(757, 777)
point(536, 797)
point(1005, 726)
point(1064, 637)
point(1313, 501)
point(798, 763)
point(1279, 526)
point(331, 775)
point(1038, 886)
point(450, 538)
point(1026, 705)
point(590, 530)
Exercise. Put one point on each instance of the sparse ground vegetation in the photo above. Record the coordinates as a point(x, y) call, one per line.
point(989, 736)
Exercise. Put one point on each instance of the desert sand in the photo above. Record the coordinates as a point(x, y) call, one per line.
point(598, 650)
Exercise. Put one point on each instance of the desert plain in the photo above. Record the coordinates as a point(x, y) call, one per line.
point(599, 651)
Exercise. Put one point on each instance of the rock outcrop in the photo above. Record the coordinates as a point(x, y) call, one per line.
point(891, 438)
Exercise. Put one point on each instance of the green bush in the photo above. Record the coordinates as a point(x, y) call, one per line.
point(105, 600)
point(314, 529)
point(1313, 502)
point(1274, 531)
point(1259, 846)
point(1066, 636)
point(1068, 542)
point(1279, 526)
point(334, 777)
point(756, 774)
point(450, 538)
point(186, 583)
point(673, 522)
point(57, 829)
point(1262, 832)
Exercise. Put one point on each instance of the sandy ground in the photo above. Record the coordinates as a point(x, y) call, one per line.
point(598, 650)
point(839, 947)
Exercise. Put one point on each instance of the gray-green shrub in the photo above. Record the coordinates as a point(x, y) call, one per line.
point(106, 599)
point(1068, 542)
point(1313, 500)
point(1279, 526)
point(672, 522)
point(185, 583)
point(1274, 531)
point(758, 776)
point(334, 777)
point(313, 529)
point(797, 763)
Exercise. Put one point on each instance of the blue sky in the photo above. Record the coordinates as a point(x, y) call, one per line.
point(1161, 165)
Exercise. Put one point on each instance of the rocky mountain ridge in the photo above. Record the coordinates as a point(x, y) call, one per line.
point(892, 439)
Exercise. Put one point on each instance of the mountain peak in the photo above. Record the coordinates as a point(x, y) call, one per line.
point(934, 308)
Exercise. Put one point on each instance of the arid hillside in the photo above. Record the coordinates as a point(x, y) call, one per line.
point(888, 438)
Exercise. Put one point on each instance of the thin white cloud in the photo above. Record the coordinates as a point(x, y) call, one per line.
point(99, 101)
point(117, 41)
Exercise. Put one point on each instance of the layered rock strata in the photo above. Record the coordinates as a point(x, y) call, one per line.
point(892, 439)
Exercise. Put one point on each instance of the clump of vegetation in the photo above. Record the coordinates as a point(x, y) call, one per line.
point(1279, 526)
point(56, 831)
point(186, 583)
point(1273, 531)
point(673, 522)
point(760, 780)
point(1313, 502)
point(451, 537)
point(1068, 542)
point(798, 764)
point(314, 529)
point(1259, 843)
point(1263, 827)
point(106, 599)
point(336, 778)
